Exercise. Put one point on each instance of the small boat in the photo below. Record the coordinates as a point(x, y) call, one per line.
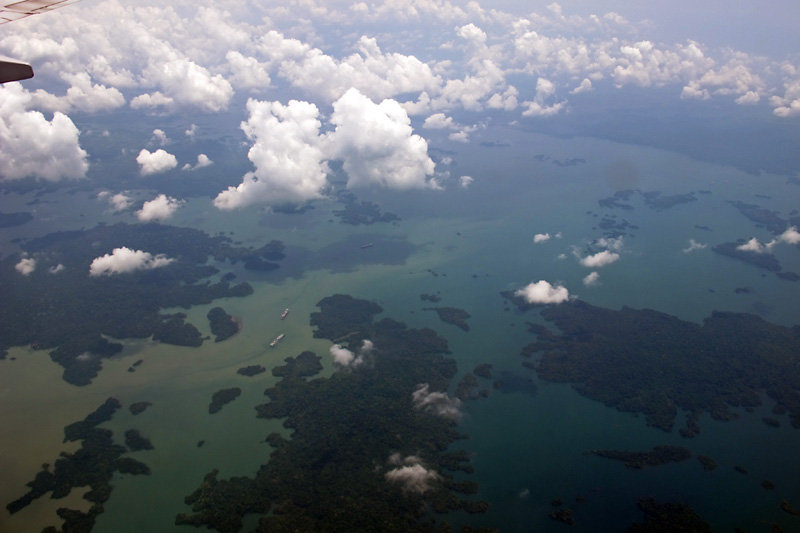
point(285, 313)
point(277, 340)
point(368, 245)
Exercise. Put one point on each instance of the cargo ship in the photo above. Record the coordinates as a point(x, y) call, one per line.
point(285, 313)
point(277, 340)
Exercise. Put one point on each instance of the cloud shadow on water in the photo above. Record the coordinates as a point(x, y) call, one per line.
point(346, 255)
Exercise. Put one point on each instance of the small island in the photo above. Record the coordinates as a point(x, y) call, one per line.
point(139, 407)
point(707, 462)
point(562, 515)
point(765, 261)
point(617, 199)
point(222, 397)
point(787, 508)
point(10, 220)
point(451, 315)
point(223, 325)
point(252, 370)
point(658, 456)
point(466, 388)
point(483, 370)
point(304, 365)
point(658, 202)
point(668, 517)
point(762, 217)
point(357, 213)
point(135, 441)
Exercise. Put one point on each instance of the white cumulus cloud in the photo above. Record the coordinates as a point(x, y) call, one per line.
point(542, 104)
point(611, 243)
point(31, 145)
point(151, 100)
point(26, 265)
point(123, 260)
point(542, 292)
point(287, 153)
point(541, 237)
point(592, 279)
point(694, 245)
point(438, 403)
point(202, 161)
point(600, 259)
point(465, 181)
point(584, 87)
point(119, 202)
point(439, 121)
point(160, 208)
point(160, 137)
point(377, 145)
point(344, 357)
point(754, 246)
point(347, 358)
point(184, 82)
point(83, 95)
point(413, 477)
point(790, 236)
point(155, 162)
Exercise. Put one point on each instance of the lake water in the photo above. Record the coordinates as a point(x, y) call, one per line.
point(466, 245)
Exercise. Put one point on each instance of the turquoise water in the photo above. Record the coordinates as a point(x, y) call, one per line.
point(467, 246)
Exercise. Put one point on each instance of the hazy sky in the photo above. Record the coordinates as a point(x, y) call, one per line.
point(367, 83)
point(767, 27)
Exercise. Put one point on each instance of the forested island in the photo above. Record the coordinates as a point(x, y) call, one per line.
point(659, 455)
point(451, 315)
point(653, 199)
point(222, 397)
point(649, 362)
point(762, 217)
point(365, 455)
point(765, 261)
point(93, 465)
point(61, 307)
point(10, 220)
point(668, 518)
point(223, 325)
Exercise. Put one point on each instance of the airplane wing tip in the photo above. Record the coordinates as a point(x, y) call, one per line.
point(13, 70)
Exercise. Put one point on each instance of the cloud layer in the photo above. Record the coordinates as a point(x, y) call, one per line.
point(161, 58)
